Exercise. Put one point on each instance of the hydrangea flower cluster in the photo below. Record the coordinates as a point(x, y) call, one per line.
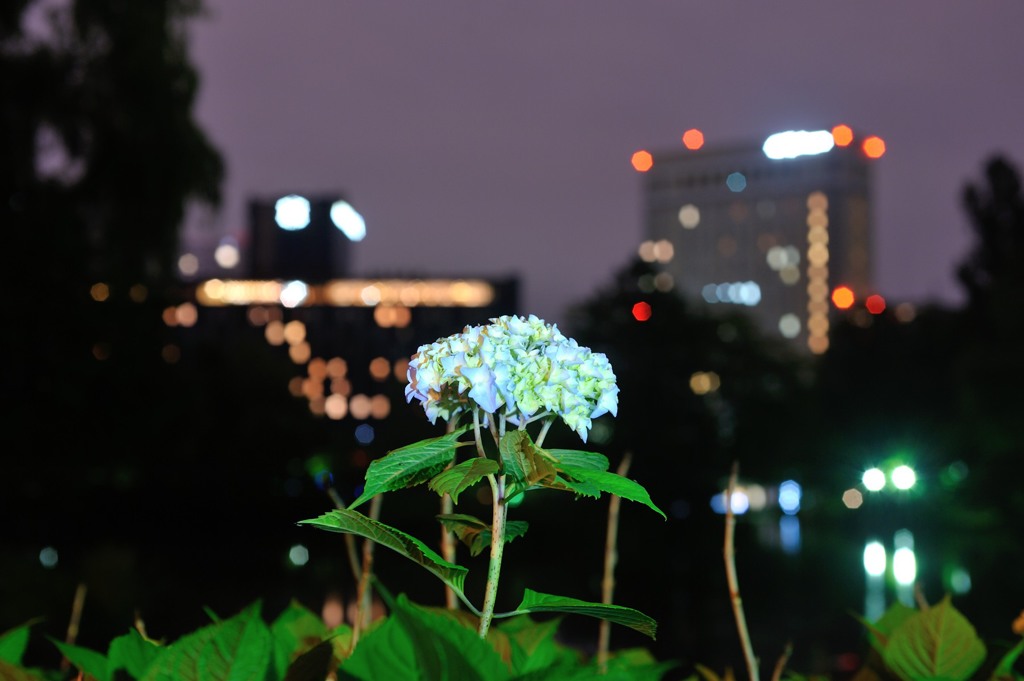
point(520, 367)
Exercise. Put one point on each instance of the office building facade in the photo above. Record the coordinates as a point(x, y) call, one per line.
point(776, 236)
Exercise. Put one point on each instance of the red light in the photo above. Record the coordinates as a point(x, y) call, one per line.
point(642, 161)
point(641, 312)
point(875, 304)
point(873, 147)
point(842, 297)
point(693, 139)
point(842, 135)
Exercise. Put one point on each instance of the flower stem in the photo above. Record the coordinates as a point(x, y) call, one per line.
point(544, 431)
point(499, 513)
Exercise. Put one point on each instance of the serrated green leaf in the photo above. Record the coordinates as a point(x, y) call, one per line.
point(879, 632)
point(409, 465)
point(89, 661)
point(577, 487)
point(13, 643)
point(384, 653)
point(579, 459)
point(445, 649)
point(179, 661)
point(476, 534)
point(458, 478)
point(937, 643)
point(534, 601)
point(12, 672)
point(534, 644)
point(293, 632)
point(239, 649)
point(614, 484)
point(525, 463)
point(131, 652)
point(353, 522)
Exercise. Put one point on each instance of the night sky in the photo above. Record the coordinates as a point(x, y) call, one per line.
point(494, 137)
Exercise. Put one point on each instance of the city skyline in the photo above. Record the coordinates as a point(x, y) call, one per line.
point(496, 140)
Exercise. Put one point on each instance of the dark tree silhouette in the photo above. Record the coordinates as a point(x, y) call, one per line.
point(992, 274)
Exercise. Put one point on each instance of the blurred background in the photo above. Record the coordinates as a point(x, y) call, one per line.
point(798, 235)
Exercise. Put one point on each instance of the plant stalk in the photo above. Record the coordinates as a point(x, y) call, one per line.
point(76, 618)
point(350, 539)
point(611, 558)
point(364, 594)
point(729, 554)
point(451, 600)
point(499, 513)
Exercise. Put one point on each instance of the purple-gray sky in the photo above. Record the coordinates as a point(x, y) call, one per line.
point(493, 137)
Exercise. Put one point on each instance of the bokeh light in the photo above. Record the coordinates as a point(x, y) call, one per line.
point(903, 477)
point(736, 182)
point(874, 559)
point(875, 304)
point(842, 135)
point(842, 297)
point(874, 147)
point(642, 161)
point(873, 479)
point(641, 311)
point(693, 139)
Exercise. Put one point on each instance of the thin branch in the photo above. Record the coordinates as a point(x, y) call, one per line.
point(728, 552)
point(780, 664)
point(611, 557)
point(350, 539)
point(76, 618)
point(364, 594)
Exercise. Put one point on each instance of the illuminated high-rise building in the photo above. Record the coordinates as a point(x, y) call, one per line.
point(774, 228)
point(295, 236)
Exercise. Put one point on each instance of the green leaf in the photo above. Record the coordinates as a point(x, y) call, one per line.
point(476, 534)
point(84, 659)
point(1005, 667)
point(12, 672)
point(445, 649)
point(239, 649)
point(179, 661)
point(13, 643)
point(937, 643)
point(579, 459)
point(634, 619)
point(580, 489)
point(295, 631)
point(879, 632)
point(534, 644)
point(409, 465)
point(384, 653)
point(614, 484)
point(458, 478)
point(131, 652)
point(353, 522)
point(525, 463)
